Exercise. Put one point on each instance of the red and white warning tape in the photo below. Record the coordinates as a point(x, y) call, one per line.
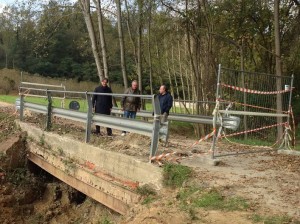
point(254, 91)
point(168, 156)
point(253, 106)
point(253, 130)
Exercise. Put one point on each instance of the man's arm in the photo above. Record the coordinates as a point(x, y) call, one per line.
point(169, 103)
point(139, 102)
point(94, 98)
point(124, 99)
point(110, 99)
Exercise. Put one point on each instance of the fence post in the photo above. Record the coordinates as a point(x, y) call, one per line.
point(21, 107)
point(215, 114)
point(156, 125)
point(49, 111)
point(89, 118)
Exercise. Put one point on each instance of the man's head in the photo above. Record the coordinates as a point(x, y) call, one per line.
point(134, 85)
point(104, 82)
point(162, 89)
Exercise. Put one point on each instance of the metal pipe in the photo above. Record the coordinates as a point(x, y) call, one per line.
point(252, 113)
point(255, 73)
point(90, 93)
point(39, 84)
point(241, 153)
point(215, 114)
point(36, 107)
point(290, 98)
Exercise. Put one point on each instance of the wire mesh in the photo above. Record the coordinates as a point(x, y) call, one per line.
point(255, 92)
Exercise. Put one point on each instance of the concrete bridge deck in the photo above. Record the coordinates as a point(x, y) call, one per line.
point(110, 178)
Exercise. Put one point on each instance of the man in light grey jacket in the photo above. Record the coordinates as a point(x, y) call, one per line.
point(130, 105)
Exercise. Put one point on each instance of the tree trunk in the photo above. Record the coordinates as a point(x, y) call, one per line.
point(139, 45)
point(121, 41)
point(85, 7)
point(149, 49)
point(102, 38)
point(130, 33)
point(175, 80)
point(278, 66)
point(170, 79)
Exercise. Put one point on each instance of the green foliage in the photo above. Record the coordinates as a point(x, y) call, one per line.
point(175, 175)
point(148, 200)
point(214, 200)
point(194, 197)
point(272, 219)
point(18, 177)
point(42, 140)
point(146, 190)
point(105, 220)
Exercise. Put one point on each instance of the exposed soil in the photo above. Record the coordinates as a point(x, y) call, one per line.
point(269, 182)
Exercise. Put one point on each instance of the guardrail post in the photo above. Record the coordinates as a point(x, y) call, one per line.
point(156, 126)
point(49, 111)
point(88, 118)
point(21, 107)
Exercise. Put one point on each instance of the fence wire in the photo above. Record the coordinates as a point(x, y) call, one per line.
point(255, 92)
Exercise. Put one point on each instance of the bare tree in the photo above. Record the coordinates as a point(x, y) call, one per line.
point(85, 8)
point(101, 34)
point(121, 41)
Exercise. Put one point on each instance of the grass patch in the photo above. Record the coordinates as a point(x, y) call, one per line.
point(272, 219)
point(194, 197)
point(148, 200)
point(252, 141)
point(8, 98)
point(146, 190)
point(105, 220)
point(180, 127)
point(175, 175)
point(214, 200)
point(148, 194)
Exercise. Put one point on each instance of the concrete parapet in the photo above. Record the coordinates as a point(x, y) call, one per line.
point(113, 163)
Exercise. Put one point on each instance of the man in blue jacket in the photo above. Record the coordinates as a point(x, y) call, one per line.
point(102, 104)
point(165, 101)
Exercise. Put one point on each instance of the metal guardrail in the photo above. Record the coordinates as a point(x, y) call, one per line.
point(156, 130)
point(229, 122)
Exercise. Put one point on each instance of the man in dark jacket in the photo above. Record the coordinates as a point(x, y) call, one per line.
point(165, 101)
point(102, 104)
point(130, 105)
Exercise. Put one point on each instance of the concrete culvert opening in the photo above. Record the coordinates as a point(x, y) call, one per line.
point(41, 173)
point(76, 196)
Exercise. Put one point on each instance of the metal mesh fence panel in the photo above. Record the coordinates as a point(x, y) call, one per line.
point(253, 98)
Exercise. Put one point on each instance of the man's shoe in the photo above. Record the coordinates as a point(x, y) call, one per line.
point(123, 134)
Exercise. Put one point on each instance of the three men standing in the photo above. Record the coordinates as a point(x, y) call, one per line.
point(102, 103)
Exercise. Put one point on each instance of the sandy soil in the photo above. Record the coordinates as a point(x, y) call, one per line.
point(270, 182)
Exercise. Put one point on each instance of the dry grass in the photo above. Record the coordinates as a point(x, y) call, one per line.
point(71, 84)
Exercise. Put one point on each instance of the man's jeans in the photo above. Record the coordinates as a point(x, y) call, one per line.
point(130, 114)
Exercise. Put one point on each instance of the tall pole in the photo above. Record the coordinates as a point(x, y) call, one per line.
point(278, 66)
point(243, 85)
